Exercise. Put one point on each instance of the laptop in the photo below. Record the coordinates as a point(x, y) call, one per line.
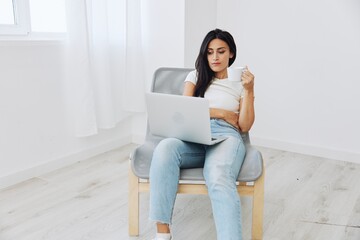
point(182, 117)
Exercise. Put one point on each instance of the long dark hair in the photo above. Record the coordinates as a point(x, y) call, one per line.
point(204, 72)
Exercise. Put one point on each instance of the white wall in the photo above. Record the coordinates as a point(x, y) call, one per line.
point(163, 34)
point(200, 18)
point(37, 133)
point(163, 43)
point(305, 55)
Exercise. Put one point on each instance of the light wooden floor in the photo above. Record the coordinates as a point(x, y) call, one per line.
point(305, 198)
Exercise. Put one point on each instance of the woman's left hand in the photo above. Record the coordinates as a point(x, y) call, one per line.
point(247, 79)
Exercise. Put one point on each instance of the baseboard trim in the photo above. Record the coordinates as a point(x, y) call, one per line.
point(23, 175)
point(336, 154)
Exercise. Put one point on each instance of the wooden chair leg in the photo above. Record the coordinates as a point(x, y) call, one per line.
point(242, 183)
point(133, 204)
point(258, 208)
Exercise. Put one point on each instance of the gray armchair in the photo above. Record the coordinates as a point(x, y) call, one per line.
point(250, 179)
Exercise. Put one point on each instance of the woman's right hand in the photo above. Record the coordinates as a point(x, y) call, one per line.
point(225, 115)
point(232, 118)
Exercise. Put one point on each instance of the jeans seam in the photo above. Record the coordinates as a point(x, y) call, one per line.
point(189, 154)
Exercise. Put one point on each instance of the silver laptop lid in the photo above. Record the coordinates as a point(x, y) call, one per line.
point(182, 117)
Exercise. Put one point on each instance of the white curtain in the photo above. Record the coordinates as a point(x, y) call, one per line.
point(104, 62)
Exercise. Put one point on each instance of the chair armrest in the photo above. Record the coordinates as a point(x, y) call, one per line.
point(141, 158)
point(252, 166)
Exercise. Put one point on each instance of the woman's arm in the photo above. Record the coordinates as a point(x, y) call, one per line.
point(247, 110)
point(189, 89)
point(228, 116)
point(225, 115)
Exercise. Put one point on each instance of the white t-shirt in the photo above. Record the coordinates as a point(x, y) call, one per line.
point(221, 93)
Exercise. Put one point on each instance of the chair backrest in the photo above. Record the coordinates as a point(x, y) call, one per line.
point(169, 80)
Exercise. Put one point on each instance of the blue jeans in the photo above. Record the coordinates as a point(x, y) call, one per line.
point(221, 163)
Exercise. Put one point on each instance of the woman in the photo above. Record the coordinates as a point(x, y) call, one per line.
point(231, 111)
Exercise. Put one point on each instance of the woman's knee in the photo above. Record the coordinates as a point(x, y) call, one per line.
point(167, 150)
point(168, 146)
point(220, 180)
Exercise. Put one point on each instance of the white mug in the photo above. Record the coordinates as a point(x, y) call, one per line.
point(234, 73)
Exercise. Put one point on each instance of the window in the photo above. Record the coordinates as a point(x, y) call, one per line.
point(51, 10)
point(6, 12)
point(32, 17)
point(14, 17)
